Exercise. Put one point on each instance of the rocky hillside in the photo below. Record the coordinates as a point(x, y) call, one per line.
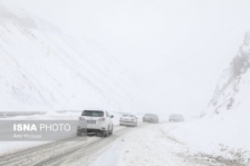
point(233, 88)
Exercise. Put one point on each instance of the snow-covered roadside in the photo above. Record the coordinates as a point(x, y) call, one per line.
point(146, 145)
point(177, 144)
point(215, 139)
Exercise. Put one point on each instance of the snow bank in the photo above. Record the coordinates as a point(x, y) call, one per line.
point(223, 129)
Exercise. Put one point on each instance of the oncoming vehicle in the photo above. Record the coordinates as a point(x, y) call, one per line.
point(152, 118)
point(96, 121)
point(176, 118)
point(128, 120)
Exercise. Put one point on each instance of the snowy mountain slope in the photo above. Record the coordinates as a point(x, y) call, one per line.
point(232, 91)
point(222, 132)
point(44, 69)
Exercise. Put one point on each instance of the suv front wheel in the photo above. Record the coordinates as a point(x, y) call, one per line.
point(103, 134)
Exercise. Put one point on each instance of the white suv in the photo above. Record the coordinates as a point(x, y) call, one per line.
point(97, 121)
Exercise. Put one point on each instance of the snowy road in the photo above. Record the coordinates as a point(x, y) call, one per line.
point(146, 144)
point(70, 152)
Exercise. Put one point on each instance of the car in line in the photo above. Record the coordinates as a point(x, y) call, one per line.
point(176, 118)
point(94, 121)
point(151, 118)
point(128, 120)
point(3, 116)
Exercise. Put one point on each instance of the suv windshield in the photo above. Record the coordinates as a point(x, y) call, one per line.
point(92, 113)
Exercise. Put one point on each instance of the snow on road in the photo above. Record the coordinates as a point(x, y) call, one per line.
point(148, 145)
point(159, 145)
point(194, 142)
point(13, 146)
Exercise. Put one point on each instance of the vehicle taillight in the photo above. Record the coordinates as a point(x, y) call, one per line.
point(132, 119)
point(81, 118)
point(102, 119)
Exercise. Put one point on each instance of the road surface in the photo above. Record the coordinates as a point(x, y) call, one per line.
point(77, 151)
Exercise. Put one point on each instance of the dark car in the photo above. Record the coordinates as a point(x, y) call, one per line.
point(152, 118)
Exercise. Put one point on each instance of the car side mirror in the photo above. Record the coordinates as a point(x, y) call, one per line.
point(111, 116)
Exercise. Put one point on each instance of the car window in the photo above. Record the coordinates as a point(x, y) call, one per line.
point(127, 115)
point(93, 113)
point(149, 115)
point(107, 114)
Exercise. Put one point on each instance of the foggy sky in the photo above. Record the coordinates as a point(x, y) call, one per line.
point(173, 50)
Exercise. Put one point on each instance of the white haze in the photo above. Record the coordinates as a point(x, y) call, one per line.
point(174, 51)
